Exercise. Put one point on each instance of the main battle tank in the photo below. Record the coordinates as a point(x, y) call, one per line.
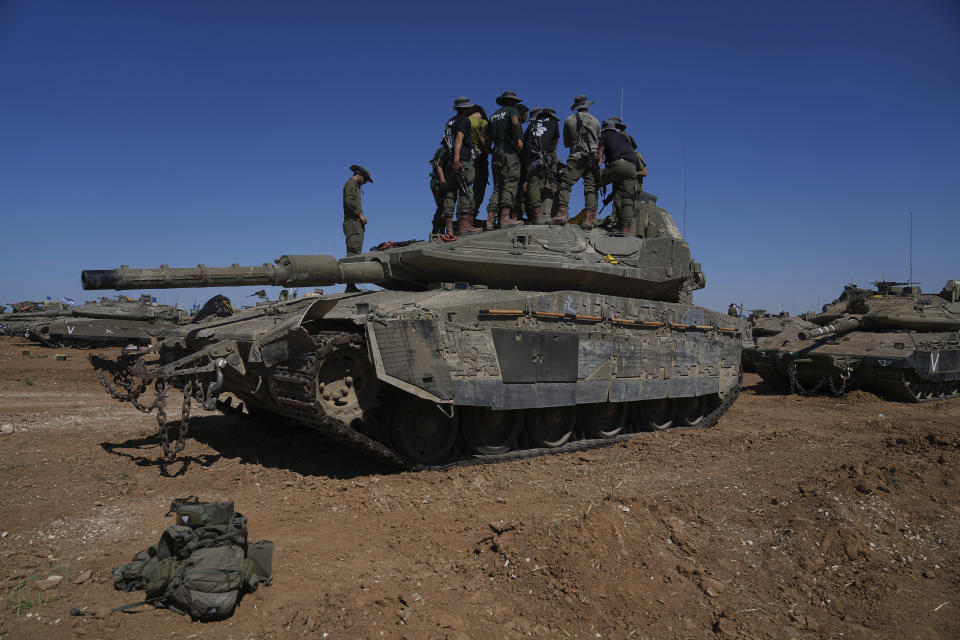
point(117, 321)
point(29, 319)
point(892, 339)
point(502, 344)
point(766, 330)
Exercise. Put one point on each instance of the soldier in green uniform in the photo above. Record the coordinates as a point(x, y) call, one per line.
point(353, 219)
point(639, 218)
point(540, 158)
point(732, 310)
point(615, 151)
point(505, 136)
point(581, 132)
point(458, 191)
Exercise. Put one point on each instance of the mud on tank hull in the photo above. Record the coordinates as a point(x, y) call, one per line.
point(907, 367)
point(447, 376)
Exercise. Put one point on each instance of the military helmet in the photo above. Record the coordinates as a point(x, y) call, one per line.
point(357, 169)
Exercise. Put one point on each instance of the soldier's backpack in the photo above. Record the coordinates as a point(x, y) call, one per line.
point(201, 566)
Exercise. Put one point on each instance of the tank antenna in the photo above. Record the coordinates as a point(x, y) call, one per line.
point(684, 189)
point(621, 104)
point(911, 247)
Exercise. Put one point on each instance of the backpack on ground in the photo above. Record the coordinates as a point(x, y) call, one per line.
point(201, 566)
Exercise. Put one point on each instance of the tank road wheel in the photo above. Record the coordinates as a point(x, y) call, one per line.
point(604, 419)
point(691, 411)
point(552, 426)
point(654, 415)
point(421, 433)
point(486, 432)
point(346, 384)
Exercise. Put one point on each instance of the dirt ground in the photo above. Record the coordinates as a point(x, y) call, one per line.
point(793, 518)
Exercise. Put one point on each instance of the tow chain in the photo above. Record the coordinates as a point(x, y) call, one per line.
point(162, 389)
point(797, 388)
point(121, 379)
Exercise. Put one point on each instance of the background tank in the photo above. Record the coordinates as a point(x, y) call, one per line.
point(119, 321)
point(768, 332)
point(501, 344)
point(892, 339)
point(30, 319)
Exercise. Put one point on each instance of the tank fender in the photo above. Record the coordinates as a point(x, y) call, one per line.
point(288, 338)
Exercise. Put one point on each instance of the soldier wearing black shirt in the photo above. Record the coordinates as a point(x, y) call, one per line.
point(615, 151)
point(459, 176)
point(540, 157)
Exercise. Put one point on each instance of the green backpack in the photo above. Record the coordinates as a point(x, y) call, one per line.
point(201, 566)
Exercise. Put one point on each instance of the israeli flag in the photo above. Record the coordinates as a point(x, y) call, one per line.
point(69, 301)
point(153, 299)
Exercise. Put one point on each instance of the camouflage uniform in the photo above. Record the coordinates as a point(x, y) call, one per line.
point(506, 160)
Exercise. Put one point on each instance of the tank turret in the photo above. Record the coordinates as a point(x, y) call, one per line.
point(544, 258)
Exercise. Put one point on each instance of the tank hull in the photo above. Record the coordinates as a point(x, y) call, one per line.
point(904, 366)
point(448, 375)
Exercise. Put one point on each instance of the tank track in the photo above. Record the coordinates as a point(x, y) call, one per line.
point(295, 391)
point(893, 385)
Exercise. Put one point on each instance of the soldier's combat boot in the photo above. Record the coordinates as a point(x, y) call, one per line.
point(466, 225)
point(491, 222)
point(536, 216)
point(591, 220)
point(507, 219)
point(560, 217)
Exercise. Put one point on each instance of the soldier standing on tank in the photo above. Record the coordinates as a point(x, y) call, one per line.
point(540, 158)
point(615, 151)
point(641, 165)
point(581, 133)
point(505, 137)
point(460, 172)
point(732, 310)
point(481, 162)
point(354, 222)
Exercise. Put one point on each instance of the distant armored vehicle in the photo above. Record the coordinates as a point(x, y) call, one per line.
point(121, 321)
point(892, 339)
point(502, 344)
point(28, 319)
point(767, 330)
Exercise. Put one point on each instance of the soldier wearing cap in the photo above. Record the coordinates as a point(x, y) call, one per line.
point(581, 133)
point(540, 159)
point(459, 173)
point(615, 152)
point(732, 310)
point(505, 136)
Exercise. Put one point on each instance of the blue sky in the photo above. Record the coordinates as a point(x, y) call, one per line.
point(183, 132)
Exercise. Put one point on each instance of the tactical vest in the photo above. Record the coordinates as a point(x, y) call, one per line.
point(201, 566)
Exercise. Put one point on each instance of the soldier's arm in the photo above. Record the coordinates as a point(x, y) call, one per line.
point(517, 133)
point(457, 145)
point(642, 173)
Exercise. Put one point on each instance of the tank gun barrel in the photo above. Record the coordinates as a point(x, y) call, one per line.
point(843, 324)
point(286, 271)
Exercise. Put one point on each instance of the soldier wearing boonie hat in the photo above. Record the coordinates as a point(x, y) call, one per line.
point(459, 172)
point(581, 132)
point(540, 157)
point(505, 136)
point(615, 151)
point(354, 221)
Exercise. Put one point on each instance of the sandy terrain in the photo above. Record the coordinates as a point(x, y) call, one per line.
point(793, 518)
